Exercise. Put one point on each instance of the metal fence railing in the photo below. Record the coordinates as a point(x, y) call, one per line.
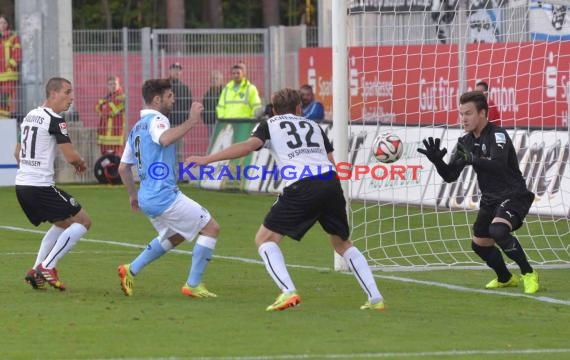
point(136, 55)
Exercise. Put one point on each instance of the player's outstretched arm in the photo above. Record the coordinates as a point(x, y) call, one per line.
point(495, 163)
point(233, 152)
point(72, 156)
point(126, 173)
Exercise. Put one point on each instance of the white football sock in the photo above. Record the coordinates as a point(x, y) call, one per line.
point(65, 242)
point(48, 243)
point(362, 273)
point(275, 266)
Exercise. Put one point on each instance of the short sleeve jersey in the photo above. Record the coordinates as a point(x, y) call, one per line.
point(155, 164)
point(40, 133)
point(296, 143)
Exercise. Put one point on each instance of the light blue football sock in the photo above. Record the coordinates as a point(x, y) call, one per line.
point(153, 251)
point(201, 255)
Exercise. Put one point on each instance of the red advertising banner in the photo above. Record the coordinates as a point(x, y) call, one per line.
point(529, 82)
point(419, 84)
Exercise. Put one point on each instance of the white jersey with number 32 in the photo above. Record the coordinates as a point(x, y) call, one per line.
point(298, 144)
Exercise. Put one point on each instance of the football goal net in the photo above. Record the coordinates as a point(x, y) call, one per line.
point(400, 67)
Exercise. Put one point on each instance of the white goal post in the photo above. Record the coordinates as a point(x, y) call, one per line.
point(400, 66)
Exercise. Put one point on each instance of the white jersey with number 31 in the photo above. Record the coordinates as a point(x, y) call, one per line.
point(41, 131)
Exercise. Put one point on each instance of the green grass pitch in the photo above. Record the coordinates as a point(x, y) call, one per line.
point(430, 315)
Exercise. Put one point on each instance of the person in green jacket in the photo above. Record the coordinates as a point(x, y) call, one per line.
point(239, 98)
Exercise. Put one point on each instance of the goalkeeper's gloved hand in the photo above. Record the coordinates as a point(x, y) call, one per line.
point(465, 155)
point(432, 150)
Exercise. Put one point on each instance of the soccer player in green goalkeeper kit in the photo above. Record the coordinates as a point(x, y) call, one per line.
point(505, 199)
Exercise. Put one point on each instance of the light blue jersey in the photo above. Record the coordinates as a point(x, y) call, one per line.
point(155, 164)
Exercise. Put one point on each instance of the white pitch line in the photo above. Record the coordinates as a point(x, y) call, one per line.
point(396, 354)
point(459, 288)
point(479, 291)
point(421, 354)
point(96, 252)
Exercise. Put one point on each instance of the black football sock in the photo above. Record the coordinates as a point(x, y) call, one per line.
point(492, 256)
point(501, 233)
point(513, 249)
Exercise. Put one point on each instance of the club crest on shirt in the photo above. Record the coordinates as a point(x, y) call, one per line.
point(63, 128)
point(483, 148)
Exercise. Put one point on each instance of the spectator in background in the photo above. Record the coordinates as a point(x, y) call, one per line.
point(210, 101)
point(311, 108)
point(242, 64)
point(10, 56)
point(494, 114)
point(182, 103)
point(239, 98)
point(112, 119)
point(268, 112)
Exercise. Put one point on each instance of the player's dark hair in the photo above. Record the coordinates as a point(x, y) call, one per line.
point(241, 65)
point(8, 20)
point(483, 84)
point(477, 98)
point(55, 84)
point(285, 101)
point(154, 87)
point(306, 87)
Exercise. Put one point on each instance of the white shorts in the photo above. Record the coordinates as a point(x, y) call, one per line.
point(185, 217)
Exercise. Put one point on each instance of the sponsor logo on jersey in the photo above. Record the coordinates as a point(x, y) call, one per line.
point(63, 128)
point(500, 138)
point(33, 163)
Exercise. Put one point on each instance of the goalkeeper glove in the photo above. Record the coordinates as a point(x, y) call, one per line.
point(464, 154)
point(432, 150)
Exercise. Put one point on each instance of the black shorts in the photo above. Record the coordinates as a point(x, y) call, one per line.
point(46, 203)
point(514, 210)
point(305, 202)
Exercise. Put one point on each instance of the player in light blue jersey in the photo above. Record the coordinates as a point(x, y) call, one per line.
point(151, 151)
